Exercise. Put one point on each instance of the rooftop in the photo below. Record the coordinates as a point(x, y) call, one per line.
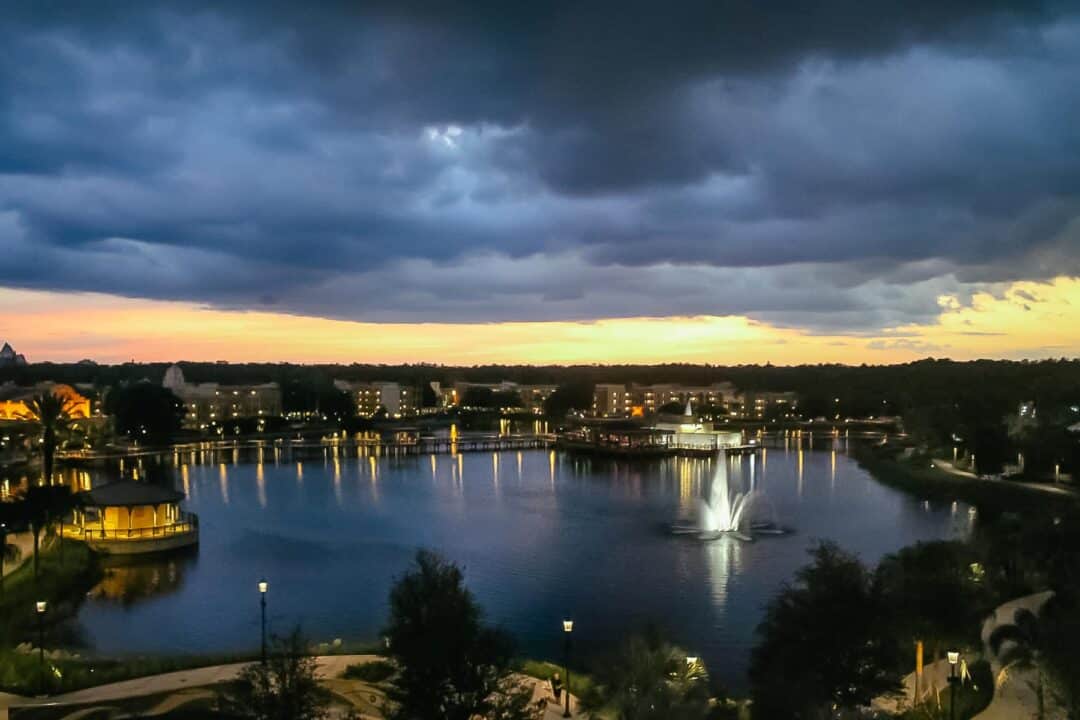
point(128, 493)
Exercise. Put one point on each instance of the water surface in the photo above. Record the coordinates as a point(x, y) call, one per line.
point(542, 535)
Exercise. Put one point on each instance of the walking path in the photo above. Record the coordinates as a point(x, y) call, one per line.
point(184, 682)
point(935, 679)
point(1015, 697)
point(1052, 488)
point(25, 543)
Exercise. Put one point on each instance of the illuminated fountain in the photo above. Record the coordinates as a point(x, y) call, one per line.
point(728, 511)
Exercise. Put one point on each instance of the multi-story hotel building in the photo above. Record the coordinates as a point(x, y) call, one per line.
point(208, 403)
point(611, 400)
point(399, 400)
point(616, 400)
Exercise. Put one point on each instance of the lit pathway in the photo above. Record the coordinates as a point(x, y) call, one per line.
point(935, 679)
point(1014, 690)
point(1056, 489)
point(25, 543)
point(329, 670)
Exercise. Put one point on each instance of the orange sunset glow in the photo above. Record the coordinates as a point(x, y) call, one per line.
point(1026, 320)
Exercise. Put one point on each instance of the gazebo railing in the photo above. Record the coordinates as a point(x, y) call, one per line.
point(187, 523)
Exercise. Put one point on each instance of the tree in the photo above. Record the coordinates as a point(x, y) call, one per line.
point(649, 679)
point(1061, 622)
point(672, 408)
point(285, 688)
point(932, 595)
point(452, 666)
point(1027, 641)
point(144, 411)
point(571, 396)
point(824, 642)
point(53, 413)
point(33, 509)
point(61, 501)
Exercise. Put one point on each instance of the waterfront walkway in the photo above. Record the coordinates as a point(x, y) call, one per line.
point(187, 685)
point(1015, 697)
point(25, 543)
point(1051, 488)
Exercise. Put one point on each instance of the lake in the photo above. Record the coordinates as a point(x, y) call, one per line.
point(542, 535)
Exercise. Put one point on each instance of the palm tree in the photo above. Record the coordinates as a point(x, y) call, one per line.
point(649, 679)
point(41, 505)
point(61, 502)
point(33, 509)
point(1027, 641)
point(53, 413)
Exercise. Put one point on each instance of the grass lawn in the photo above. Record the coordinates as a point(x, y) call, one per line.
point(62, 581)
point(580, 683)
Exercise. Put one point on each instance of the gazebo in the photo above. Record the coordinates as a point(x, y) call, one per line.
point(127, 517)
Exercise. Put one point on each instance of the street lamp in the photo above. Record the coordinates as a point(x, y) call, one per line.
point(263, 587)
point(41, 606)
point(954, 658)
point(568, 627)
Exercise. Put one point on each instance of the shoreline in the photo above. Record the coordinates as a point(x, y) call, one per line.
point(917, 477)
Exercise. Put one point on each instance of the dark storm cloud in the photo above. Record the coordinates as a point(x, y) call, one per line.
point(833, 165)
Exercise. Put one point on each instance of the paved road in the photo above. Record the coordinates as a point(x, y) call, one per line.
point(329, 667)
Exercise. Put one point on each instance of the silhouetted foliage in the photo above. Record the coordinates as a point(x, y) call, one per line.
point(312, 393)
point(52, 413)
point(284, 688)
point(825, 640)
point(482, 397)
point(145, 411)
point(648, 679)
point(38, 507)
point(452, 666)
point(931, 593)
point(567, 397)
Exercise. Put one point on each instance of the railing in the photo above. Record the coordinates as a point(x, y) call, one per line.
point(188, 523)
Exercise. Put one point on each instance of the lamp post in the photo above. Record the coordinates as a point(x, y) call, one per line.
point(41, 606)
point(954, 658)
point(568, 627)
point(263, 587)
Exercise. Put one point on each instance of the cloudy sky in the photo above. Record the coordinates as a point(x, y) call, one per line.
point(721, 181)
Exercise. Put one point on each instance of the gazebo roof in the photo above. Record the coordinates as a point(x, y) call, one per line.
point(128, 493)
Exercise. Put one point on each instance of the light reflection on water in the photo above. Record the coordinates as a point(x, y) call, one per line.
point(565, 535)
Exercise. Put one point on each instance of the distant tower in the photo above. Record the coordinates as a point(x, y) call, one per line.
point(174, 379)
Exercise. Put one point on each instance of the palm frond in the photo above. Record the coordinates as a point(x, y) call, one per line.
point(1007, 633)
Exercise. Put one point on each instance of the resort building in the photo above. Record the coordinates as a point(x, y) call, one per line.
point(15, 399)
point(209, 403)
point(690, 432)
point(128, 517)
point(611, 400)
point(759, 405)
point(10, 358)
point(398, 400)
